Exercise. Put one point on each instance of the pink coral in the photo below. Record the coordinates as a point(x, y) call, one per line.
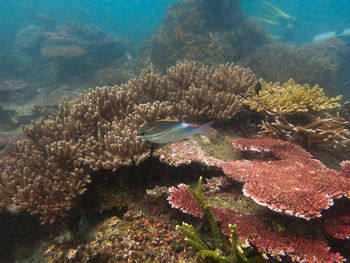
point(345, 168)
point(295, 183)
point(182, 199)
point(262, 232)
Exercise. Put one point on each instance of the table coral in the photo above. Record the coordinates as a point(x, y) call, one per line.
point(273, 234)
point(275, 237)
point(293, 183)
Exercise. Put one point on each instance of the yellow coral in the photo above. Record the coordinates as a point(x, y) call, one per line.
point(290, 98)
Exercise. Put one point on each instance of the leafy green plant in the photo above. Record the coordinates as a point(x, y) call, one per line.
point(226, 250)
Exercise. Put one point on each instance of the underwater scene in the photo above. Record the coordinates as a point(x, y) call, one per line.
point(174, 131)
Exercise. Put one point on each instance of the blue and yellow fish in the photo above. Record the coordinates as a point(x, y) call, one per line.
point(167, 131)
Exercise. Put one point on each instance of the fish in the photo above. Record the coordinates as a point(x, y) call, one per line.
point(167, 131)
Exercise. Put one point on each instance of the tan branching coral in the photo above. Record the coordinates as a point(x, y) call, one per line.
point(98, 131)
point(332, 130)
point(291, 97)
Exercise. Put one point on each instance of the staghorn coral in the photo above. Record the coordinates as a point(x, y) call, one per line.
point(290, 97)
point(98, 131)
point(332, 130)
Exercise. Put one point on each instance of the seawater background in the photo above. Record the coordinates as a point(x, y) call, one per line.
point(138, 19)
point(133, 19)
point(312, 16)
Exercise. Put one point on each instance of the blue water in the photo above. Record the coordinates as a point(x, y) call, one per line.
point(312, 16)
point(138, 19)
point(134, 19)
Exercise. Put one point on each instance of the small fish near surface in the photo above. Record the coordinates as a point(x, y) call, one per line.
point(167, 131)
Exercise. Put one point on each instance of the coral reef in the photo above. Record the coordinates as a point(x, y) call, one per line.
point(313, 64)
point(77, 49)
point(279, 184)
point(224, 251)
point(291, 98)
point(304, 182)
point(332, 129)
point(206, 31)
point(98, 131)
point(298, 113)
point(142, 239)
point(73, 50)
point(111, 77)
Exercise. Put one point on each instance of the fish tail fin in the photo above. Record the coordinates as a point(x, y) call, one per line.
point(205, 130)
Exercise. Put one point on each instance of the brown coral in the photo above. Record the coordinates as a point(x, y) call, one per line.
point(330, 130)
point(313, 64)
point(210, 32)
point(98, 131)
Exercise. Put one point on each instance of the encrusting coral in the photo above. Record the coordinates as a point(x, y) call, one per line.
point(98, 131)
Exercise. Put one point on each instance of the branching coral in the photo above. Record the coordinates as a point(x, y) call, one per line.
point(293, 113)
point(98, 131)
point(291, 97)
point(332, 129)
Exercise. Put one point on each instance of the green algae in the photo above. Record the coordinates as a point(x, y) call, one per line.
point(233, 250)
point(220, 147)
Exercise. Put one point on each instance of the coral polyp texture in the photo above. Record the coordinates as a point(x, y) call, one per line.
point(294, 183)
point(98, 131)
point(273, 237)
point(145, 239)
point(290, 182)
point(331, 129)
point(291, 97)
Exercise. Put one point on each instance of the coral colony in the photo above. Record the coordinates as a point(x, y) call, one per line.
point(99, 129)
point(295, 184)
point(97, 132)
point(264, 196)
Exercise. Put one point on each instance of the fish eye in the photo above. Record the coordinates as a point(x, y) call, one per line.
point(142, 133)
